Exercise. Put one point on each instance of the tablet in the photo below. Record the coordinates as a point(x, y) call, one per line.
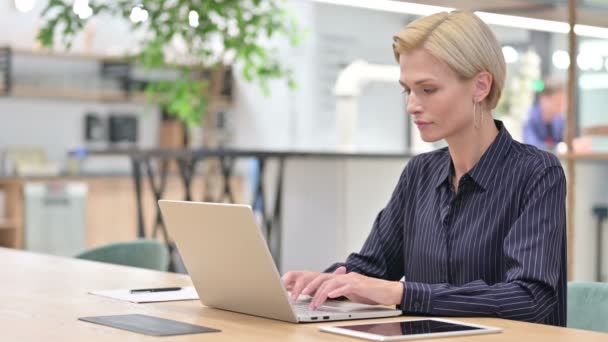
point(410, 329)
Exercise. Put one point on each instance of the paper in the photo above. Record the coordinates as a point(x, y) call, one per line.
point(186, 293)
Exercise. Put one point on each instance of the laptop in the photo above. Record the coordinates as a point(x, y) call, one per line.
point(232, 269)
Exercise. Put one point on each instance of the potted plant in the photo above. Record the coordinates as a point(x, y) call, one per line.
point(211, 33)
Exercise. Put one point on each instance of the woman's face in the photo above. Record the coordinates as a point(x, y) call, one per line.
point(440, 104)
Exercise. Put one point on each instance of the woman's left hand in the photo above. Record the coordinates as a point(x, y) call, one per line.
point(358, 288)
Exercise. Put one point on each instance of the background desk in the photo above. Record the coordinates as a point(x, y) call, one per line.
point(269, 191)
point(42, 297)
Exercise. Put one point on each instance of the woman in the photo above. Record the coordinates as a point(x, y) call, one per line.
point(474, 229)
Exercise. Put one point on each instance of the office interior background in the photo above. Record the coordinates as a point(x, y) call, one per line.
point(80, 140)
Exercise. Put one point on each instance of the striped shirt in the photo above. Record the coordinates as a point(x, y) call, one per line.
point(494, 248)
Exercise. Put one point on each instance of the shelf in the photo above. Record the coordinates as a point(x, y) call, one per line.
point(95, 95)
point(115, 68)
point(69, 55)
point(88, 56)
point(76, 94)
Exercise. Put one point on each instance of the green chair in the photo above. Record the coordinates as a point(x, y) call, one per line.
point(588, 306)
point(149, 254)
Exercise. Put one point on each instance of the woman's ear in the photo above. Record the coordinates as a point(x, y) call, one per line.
point(483, 85)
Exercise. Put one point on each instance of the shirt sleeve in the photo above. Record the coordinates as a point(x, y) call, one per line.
point(382, 253)
point(533, 258)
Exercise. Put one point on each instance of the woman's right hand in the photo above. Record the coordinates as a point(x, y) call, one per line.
point(298, 281)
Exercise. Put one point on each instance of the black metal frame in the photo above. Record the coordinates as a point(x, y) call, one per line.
point(6, 68)
point(601, 212)
point(187, 166)
point(187, 160)
point(120, 71)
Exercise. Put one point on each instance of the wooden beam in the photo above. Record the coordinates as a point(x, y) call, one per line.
point(570, 132)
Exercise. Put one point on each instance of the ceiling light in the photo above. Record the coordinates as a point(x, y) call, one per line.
point(583, 61)
point(561, 59)
point(590, 61)
point(523, 22)
point(511, 55)
point(82, 9)
point(24, 6)
point(591, 31)
point(138, 15)
point(193, 18)
point(389, 6)
point(489, 18)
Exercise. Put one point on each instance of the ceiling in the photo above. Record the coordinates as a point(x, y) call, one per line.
point(589, 12)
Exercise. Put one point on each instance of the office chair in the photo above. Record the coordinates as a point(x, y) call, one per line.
point(149, 254)
point(588, 306)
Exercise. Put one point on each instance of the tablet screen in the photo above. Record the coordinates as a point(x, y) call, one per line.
point(425, 326)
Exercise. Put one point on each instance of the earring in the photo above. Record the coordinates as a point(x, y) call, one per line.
point(480, 115)
point(475, 114)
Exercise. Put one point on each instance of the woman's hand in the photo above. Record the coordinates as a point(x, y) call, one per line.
point(357, 288)
point(354, 286)
point(297, 281)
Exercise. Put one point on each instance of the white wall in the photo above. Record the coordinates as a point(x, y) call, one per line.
point(330, 206)
point(274, 121)
point(341, 38)
point(305, 118)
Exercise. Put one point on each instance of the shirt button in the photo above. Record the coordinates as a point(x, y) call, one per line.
point(417, 305)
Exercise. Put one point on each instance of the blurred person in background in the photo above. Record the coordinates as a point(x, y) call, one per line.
point(544, 127)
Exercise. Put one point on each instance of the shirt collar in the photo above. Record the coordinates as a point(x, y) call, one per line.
point(491, 161)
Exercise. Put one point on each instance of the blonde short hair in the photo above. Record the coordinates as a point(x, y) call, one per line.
point(461, 40)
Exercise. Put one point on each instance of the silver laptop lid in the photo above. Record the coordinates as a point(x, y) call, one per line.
point(227, 258)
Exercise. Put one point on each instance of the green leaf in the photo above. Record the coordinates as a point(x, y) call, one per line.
point(186, 96)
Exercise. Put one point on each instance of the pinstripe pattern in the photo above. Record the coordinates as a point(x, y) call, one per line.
point(495, 248)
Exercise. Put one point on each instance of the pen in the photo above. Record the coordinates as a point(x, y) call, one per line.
point(159, 289)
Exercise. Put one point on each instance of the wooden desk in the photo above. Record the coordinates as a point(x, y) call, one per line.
point(42, 296)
